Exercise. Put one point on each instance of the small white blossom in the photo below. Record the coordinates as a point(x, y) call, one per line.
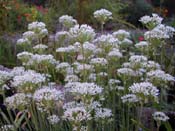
point(82, 33)
point(67, 21)
point(17, 101)
point(103, 113)
point(99, 61)
point(130, 98)
point(40, 46)
point(160, 116)
point(102, 15)
point(23, 41)
point(145, 88)
point(53, 119)
point(121, 34)
point(84, 88)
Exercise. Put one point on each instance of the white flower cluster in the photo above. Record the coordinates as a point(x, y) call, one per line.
point(115, 53)
point(17, 101)
point(53, 119)
point(107, 41)
point(129, 98)
point(103, 15)
point(16, 71)
point(37, 59)
point(83, 67)
point(142, 45)
point(77, 114)
point(159, 75)
point(154, 19)
point(67, 21)
point(160, 116)
point(152, 65)
point(61, 35)
point(23, 41)
point(121, 34)
point(28, 77)
point(160, 32)
point(47, 94)
point(137, 60)
point(24, 56)
point(71, 78)
point(68, 49)
point(126, 72)
point(82, 33)
point(103, 113)
point(145, 88)
point(36, 26)
point(84, 88)
point(89, 47)
point(40, 46)
point(30, 35)
point(4, 76)
point(99, 61)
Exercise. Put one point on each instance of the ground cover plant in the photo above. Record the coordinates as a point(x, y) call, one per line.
point(88, 81)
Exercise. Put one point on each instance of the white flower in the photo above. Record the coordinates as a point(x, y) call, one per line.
point(16, 71)
point(137, 60)
point(43, 33)
point(126, 41)
point(107, 41)
point(77, 114)
point(102, 15)
point(18, 100)
point(152, 65)
point(155, 19)
point(84, 88)
point(142, 44)
point(99, 61)
point(67, 21)
point(41, 59)
point(61, 35)
point(28, 77)
point(121, 34)
point(62, 50)
point(40, 46)
point(126, 71)
point(130, 98)
point(82, 33)
point(92, 77)
point(24, 56)
point(62, 66)
point(81, 67)
point(23, 41)
point(145, 88)
point(4, 76)
point(160, 32)
point(71, 78)
point(89, 47)
point(103, 113)
point(160, 76)
point(115, 53)
point(30, 35)
point(160, 116)
point(47, 94)
point(53, 119)
point(36, 26)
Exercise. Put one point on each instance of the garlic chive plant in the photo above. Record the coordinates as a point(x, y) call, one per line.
point(82, 81)
point(102, 16)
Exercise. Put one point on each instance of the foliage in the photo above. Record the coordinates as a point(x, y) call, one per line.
point(7, 53)
point(15, 14)
point(137, 9)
